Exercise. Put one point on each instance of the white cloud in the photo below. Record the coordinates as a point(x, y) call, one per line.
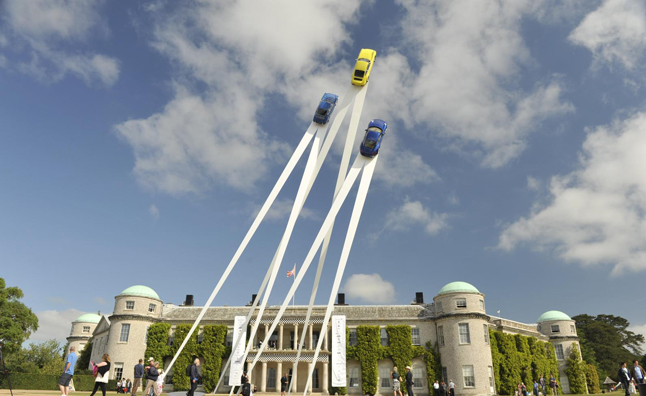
point(614, 33)
point(468, 88)
point(533, 183)
point(154, 211)
point(639, 329)
point(54, 324)
point(43, 25)
point(597, 214)
point(369, 289)
point(282, 208)
point(412, 214)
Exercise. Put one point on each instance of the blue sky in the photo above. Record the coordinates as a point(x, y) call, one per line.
point(140, 138)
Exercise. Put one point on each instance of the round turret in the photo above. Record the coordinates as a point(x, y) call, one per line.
point(463, 337)
point(561, 330)
point(82, 329)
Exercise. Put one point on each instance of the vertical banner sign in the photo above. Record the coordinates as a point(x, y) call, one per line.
point(338, 351)
point(237, 364)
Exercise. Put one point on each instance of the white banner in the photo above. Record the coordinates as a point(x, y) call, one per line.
point(237, 356)
point(338, 351)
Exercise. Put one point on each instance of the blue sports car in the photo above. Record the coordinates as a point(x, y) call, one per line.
point(374, 135)
point(325, 109)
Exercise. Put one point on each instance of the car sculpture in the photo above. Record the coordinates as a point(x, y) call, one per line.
point(325, 109)
point(363, 66)
point(372, 140)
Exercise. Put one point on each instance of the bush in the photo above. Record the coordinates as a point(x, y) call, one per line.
point(592, 378)
point(213, 350)
point(185, 359)
point(576, 371)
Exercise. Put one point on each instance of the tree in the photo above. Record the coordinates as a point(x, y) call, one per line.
point(576, 371)
point(17, 321)
point(83, 362)
point(607, 340)
point(43, 358)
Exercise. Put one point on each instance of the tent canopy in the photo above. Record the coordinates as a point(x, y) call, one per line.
point(608, 380)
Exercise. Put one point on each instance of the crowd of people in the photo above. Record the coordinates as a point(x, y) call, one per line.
point(629, 379)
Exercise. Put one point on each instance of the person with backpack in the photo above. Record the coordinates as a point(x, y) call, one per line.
point(191, 372)
point(246, 388)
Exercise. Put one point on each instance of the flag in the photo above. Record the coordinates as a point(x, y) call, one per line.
point(292, 272)
point(498, 312)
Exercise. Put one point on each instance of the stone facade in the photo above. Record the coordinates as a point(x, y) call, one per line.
point(456, 321)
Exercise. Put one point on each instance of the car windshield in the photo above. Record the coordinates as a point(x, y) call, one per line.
point(321, 112)
point(374, 129)
point(372, 137)
point(359, 73)
point(330, 100)
point(364, 60)
point(370, 143)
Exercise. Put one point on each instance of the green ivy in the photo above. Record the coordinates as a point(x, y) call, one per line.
point(368, 352)
point(519, 358)
point(213, 350)
point(180, 380)
point(84, 359)
point(157, 345)
point(576, 371)
point(592, 378)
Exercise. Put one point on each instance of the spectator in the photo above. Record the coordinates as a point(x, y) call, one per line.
point(396, 382)
point(409, 381)
point(541, 381)
point(68, 372)
point(139, 373)
point(103, 374)
point(193, 377)
point(535, 388)
point(451, 388)
point(624, 377)
point(151, 376)
point(436, 388)
point(637, 372)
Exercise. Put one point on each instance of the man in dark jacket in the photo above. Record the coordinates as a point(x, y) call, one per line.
point(139, 372)
point(624, 377)
point(409, 381)
point(193, 378)
point(246, 388)
point(151, 377)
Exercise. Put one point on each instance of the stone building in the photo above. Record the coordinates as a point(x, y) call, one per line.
point(456, 321)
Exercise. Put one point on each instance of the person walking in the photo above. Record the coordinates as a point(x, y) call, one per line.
point(394, 375)
point(68, 372)
point(541, 381)
point(443, 391)
point(624, 377)
point(436, 388)
point(535, 388)
point(409, 381)
point(194, 375)
point(553, 385)
point(139, 373)
point(451, 388)
point(103, 374)
point(283, 384)
point(246, 388)
point(637, 372)
point(151, 377)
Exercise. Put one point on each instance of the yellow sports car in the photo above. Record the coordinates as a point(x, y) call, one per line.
point(363, 66)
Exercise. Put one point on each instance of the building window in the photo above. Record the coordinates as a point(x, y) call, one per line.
point(118, 371)
point(555, 328)
point(151, 308)
point(384, 374)
point(461, 302)
point(559, 352)
point(445, 374)
point(125, 332)
point(440, 335)
point(86, 329)
point(417, 377)
point(315, 379)
point(538, 327)
point(146, 336)
point(438, 306)
point(384, 337)
point(469, 378)
point(486, 333)
point(415, 334)
point(271, 377)
point(230, 338)
point(572, 329)
point(465, 337)
point(354, 377)
point(491, 383)
point(130, 305)
point(291, 340)
point(353, 337)
point(482, 305)
point(315, 338)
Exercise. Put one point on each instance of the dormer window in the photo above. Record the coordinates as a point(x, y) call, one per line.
point(460, 302)
point(130, 305)
point(86, 329)
point(151, 308)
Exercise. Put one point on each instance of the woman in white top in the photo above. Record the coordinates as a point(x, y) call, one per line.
point(103, 374)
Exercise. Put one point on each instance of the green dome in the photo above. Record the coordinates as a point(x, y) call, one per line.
point(458, 287)
point(553, 315)
point(139, 290)
point(89, 318)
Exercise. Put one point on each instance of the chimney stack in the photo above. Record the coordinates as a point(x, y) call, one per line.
point(189, 300)
point(340, 299)
point(419, 298)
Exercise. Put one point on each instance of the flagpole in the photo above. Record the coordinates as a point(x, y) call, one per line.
point(294, 279)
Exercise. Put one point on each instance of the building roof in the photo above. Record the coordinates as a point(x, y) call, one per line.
point(140, 290)
point(553, 315)
point(88, 318)
point(458, 287)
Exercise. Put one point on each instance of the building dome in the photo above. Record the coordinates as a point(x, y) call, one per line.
point(553, 315)
point(458, 287)
point(141, 291)
point(88, 318)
